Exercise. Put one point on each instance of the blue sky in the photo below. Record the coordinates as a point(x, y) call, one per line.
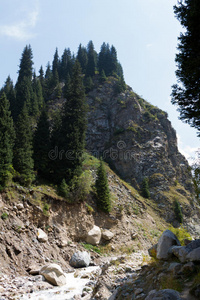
point(144, 33)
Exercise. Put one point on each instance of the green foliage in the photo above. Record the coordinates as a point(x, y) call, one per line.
point(23, 150)
point(63, 190)
point(181, 234)
point(145, 188)
point(7, 136)
point(91, 65)
point(4, 216)
point(102, 189)
point(70, 133)
point(46, 208)
point(81, 186)
point(42, 145)
point(177, 211)
point(88, 83)
point(186, 93)
point(120, 85)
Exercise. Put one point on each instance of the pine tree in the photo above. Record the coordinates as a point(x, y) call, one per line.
point(177, 211)
point(41, 145)
point(56, 68)
point(71, 136)
point(145, 188)
point(7, 135)
point(23, 161)
point(186, 94)
point(91, 65)
point(9, 90)
point(23, 85)
point(102, 189)
point(82, 58)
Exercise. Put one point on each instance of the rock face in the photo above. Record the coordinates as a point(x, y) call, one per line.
point(136, 138)
point(94, 236)
point(166, 241)
point(53, 274)
point(80, 259)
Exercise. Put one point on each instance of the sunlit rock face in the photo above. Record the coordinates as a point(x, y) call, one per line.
point(136, 138)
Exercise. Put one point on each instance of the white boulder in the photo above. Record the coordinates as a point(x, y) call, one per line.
point(94, 236)
point(53, 274)
point(41, 236)
point(107, 235)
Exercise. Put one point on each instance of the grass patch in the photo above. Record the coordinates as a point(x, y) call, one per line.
point(181, 234)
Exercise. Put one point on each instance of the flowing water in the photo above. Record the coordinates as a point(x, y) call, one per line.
point(74, 286)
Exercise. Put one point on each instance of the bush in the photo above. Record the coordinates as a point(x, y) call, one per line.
point(4, 216)
point(181, 234)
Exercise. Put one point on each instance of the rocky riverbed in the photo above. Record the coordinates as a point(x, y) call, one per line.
point(98, 282)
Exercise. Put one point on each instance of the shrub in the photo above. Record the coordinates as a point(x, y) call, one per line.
point(181, 234)
point(4, 216)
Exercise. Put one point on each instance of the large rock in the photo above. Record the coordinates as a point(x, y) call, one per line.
point(194, 255)
point(80, 259)
point(53, 274)
point(166, 294)
point(107, 235)
point(165, 242)
point(191, 252)
point(41, 236)
point(94, 236)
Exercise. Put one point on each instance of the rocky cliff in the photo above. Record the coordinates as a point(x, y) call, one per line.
point(136, 139)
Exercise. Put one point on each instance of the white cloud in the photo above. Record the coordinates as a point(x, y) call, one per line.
point(189, 152)
point(23, 29)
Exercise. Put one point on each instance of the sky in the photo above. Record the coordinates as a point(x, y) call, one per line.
point(144, 33)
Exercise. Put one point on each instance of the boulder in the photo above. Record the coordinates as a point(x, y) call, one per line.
point(94, 236)
point(165, 242)
point(80, 259)
point(53, 274)
point(191, 252)
point(166, 294)
point(107, 235)
point(41, 236)
point(180, 252)
point(194, 255)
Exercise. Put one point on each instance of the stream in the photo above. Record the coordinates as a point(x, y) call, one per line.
point(76, 281)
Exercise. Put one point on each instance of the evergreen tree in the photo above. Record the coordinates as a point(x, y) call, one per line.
point(67, 86)
point(23, 161)
point(63, 189)
point(42, 81)
point(186, 94)
point(7, 135)
point(102, 189)
point(102, 76)
point(41, 145)
point(88, 82)
point(82, 58)
point(177, 211)
point(91, 65)
point(71, 135)
point(145, 188)
point(113, 61)
point(23, 85)
point(9, 90)
point(48, 82)
point(56, 68)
